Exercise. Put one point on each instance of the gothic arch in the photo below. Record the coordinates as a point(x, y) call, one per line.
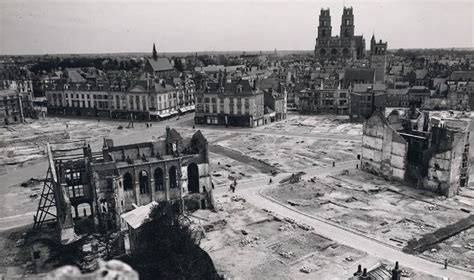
point(144, 182)
point(173, 176)
point(159, 179)
point(127, 182)
point(345, 51)
point(322, 52)
point(334, 52)
point(193, 178)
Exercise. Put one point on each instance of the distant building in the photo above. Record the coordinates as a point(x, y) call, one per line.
point(358, 76)
point(227, 102)
point(160, 67)
point(365, 99)
point(429, 152)
point(11, 107)
point(378, 59)
point(140, 99)
point(346, 46)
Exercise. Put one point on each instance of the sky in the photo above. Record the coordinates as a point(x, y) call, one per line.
point(106, 26)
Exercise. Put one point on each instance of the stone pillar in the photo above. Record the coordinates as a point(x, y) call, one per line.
point(136, 189)
point(151, 174)
point(166, 182)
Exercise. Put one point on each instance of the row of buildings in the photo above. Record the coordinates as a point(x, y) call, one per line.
point(157, 93)
point(357, 95)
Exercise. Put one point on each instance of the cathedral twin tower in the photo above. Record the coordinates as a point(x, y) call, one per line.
point(346, 46)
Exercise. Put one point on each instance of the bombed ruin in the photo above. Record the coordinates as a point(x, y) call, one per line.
point(103, 185)
point(420, 149)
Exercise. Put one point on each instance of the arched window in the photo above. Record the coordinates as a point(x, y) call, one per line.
point(143, 182)
point(193, 178)
point(127, 182)
point(334, 51)
point(173, 177)
point(159, 186)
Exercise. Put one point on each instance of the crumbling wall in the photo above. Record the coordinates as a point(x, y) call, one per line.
point(445, 164)
point(383, 150)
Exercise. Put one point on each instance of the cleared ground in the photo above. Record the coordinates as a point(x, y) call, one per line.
point(275, 249)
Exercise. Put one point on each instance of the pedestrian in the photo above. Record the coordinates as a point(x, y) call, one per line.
point(270, 181)
point(235, 182)
point(333, 164)
point(445, 263)
point(357, 166)
point(194, 127)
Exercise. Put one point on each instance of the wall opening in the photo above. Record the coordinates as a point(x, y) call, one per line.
point(127, 182)
point(193, 178)
point(144, 182)
point(173, 177)
point(159, 185)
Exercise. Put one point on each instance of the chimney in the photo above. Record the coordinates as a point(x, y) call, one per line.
point(396, 272)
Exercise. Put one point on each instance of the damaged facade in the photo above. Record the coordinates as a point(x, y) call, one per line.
point(420, 150)
point(121, 178)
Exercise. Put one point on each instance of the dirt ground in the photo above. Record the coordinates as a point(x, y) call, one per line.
point(254, 244)
point(297, 124)
point(390, 212)
point(26, 142)
point(272, 248)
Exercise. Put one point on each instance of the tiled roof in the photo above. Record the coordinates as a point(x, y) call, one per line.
point(160, 64)
point(464, 75)
point(367, 87)
point(75, 77)
point(359, 74)
point(138, 216)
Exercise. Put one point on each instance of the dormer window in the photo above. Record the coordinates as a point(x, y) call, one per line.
point(78, 86)
point(88, 87)
point(239, 89)
point(66, 86)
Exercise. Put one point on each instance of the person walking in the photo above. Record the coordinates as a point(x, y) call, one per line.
point(333, 164)
point(445, 263)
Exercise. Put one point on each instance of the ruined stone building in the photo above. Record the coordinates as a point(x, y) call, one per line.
point(121, 178)
point(418, 148)
point(14, 106)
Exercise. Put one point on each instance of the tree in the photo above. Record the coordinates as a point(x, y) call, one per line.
point(168, 248)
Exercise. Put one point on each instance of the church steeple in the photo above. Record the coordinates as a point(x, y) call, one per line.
point(155, 54)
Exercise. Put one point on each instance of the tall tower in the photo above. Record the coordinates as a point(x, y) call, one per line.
point(378, 60)
point(347, 24)
point(324, 34)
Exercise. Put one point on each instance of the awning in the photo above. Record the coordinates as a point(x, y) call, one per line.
point(186, 109)
point(164, 115)
point(173, 112)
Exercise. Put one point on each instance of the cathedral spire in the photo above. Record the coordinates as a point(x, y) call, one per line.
point(155, 54)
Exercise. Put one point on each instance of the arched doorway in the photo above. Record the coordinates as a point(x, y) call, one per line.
point(84, 210)
point(173, 177)
point(159, 185)
point(193, 178)
point(127, 182)
point(144, 182)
